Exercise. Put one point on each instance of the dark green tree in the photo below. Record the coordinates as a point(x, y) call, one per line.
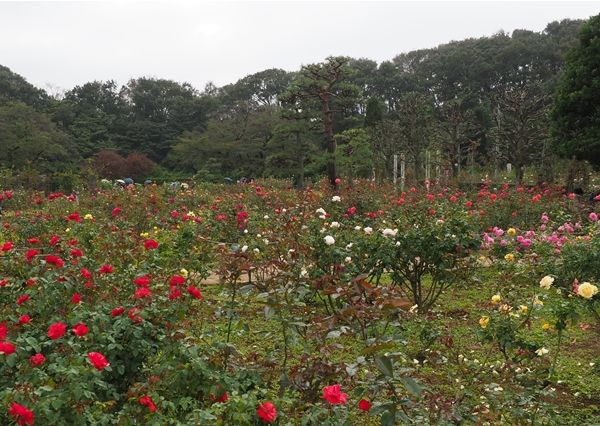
point(324, 87)
point(576, 112)
point(14, 88)
point(160, 111)
point(30, 140)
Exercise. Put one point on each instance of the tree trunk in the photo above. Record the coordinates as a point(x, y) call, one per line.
point(519, 171)
point(300, 182)
point(418, 168)
point(331, 144)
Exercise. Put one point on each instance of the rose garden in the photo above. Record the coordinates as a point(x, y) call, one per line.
point(259, 304)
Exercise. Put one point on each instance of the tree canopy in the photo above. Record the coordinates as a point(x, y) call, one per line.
point(442, 107)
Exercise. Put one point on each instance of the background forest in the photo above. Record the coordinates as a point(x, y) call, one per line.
point(458, 112)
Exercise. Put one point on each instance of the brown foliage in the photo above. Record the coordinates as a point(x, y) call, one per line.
point(112, 165)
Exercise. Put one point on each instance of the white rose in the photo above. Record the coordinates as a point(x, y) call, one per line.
point(329, 240)
point(336, 198)
point(368, 230)
point(387, 232)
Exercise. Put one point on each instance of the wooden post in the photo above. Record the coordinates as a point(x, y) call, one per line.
point(402, 172)
point(395, 170)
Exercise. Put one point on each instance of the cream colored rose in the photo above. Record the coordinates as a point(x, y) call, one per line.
point(587, 290)
point(546, 282)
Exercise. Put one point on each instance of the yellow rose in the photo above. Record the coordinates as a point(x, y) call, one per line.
point(496, 298)
point(505, 308)
point(509, 257)
point(88, 216)
point(511, 232)
point(546, 326)
point(484, 321)
point(523, 309)
point(537, 301)
point(587, 290)
point(183, 272)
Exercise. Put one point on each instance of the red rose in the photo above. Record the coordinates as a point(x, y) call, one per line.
point(76, 298)
point(222, 398)
point(22, 299)
point(54, 240)
point(117, 311)
point(267, 412)
point(57, 330)
point(85, 273)
point(37, 359)
point(364, 405)
point(24, 319)
point(334, 395)
point(195, 292)
point(134, 317)
point(177, 280)
point(116, 211)
point(105, 269)
point(7, 246)
point(142, 292)
point(74, 217)
point(33, 241)
point(147, 401)
point(150, 245)
point(98, 360)
point(3, 331)
point(142, 281)
point(7, 348)
point(175, 293)
point(55, 260)
point(30, 254)
point(80, 329)
point(21, 414)
point(76, 253)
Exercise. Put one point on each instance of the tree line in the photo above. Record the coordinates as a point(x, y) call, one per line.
point(475, 104)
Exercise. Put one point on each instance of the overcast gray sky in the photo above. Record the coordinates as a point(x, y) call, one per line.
point(66, 44)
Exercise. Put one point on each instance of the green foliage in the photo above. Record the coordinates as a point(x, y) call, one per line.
point(576, 118)
point(30, 140)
